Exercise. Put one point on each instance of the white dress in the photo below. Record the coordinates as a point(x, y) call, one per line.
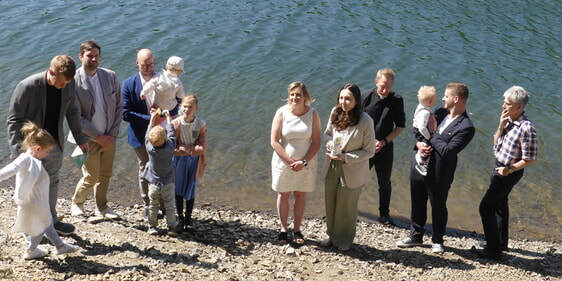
point(296, 137)
point(31, 194)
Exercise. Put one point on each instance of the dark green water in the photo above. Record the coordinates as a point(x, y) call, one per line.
point(241, 55)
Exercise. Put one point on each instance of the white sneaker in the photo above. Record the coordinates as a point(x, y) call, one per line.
point(77, 210)
point(107, 213)
point(38, 253)
point(110, 214)
point(437, 248)
point(66, 249)
point(408, 242)
point(152, 231)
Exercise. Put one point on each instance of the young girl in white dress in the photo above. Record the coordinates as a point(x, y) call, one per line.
point(31, 194)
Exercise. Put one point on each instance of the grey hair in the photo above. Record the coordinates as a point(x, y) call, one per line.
point(517, 95)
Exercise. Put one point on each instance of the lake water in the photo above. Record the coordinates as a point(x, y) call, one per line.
point(241, 55)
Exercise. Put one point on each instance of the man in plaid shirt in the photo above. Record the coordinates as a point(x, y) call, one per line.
point(515, 146)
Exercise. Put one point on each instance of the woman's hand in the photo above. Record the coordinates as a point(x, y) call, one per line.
point(184, 150)
point(329, 146)
point(297, 165)
point(340, 156)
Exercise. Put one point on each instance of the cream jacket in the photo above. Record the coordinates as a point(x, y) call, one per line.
point(358, 145)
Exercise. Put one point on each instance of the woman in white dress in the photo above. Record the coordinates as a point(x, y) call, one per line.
point(295, 138)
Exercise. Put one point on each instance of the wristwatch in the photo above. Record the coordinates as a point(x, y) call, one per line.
point(304, 163)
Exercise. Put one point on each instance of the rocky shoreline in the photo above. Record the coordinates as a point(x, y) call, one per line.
point(241, 245)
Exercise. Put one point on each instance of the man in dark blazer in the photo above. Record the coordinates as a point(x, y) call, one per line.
point(453, 133)
point(46, 98)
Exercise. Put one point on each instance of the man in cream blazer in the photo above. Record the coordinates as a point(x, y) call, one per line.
point(98, 97)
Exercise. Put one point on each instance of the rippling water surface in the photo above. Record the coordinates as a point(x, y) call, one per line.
point(241, 55)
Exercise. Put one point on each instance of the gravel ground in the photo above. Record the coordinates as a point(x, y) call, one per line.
point(241, 245)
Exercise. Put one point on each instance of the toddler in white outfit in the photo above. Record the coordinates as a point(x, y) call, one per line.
point(426, 97)
point(165, 89)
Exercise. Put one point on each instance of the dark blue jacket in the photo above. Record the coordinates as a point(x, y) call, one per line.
point(134, 110)
point(446, 146)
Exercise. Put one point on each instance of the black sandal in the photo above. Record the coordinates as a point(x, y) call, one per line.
point(299, 238)
point(283, 238)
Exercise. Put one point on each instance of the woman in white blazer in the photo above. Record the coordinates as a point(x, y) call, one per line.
point(347, 171)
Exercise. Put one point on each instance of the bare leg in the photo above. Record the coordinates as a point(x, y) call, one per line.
point(283, 199)
point(298, 209)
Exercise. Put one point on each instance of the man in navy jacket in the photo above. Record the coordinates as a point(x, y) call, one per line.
point(453, 133)
point(137, 114)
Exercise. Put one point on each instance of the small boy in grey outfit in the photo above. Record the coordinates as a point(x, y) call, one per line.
point(160, 172)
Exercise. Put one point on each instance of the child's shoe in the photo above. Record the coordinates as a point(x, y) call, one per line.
point(188, 225)
point(422, 169)
point(66, 249)
point(38, 253)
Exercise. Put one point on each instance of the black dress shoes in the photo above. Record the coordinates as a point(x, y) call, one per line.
point(486, 254)
point(387, 220)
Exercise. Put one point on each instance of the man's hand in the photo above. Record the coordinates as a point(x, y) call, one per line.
point(105, 140)
point(85, 147)
point(424, 149)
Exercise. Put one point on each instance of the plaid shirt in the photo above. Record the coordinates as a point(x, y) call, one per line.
point(519, 141)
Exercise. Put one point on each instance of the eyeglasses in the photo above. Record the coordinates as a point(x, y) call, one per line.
point(149, 65)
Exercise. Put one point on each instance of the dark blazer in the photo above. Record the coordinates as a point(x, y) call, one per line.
point(29, 102)
point(446, 146)
point(134, 110)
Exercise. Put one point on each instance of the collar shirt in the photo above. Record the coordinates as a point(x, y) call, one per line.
point(519, 141)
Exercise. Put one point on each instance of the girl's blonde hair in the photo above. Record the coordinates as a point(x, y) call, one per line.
point(190, 98)
point(34, 136)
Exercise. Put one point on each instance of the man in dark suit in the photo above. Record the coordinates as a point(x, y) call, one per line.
point(46, 98)
point(453, 133)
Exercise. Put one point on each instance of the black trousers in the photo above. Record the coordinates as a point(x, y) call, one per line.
point(422, 190)
point(494, 209)
point(383, 161)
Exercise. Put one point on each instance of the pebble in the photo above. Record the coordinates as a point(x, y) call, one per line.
point(241, 245)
